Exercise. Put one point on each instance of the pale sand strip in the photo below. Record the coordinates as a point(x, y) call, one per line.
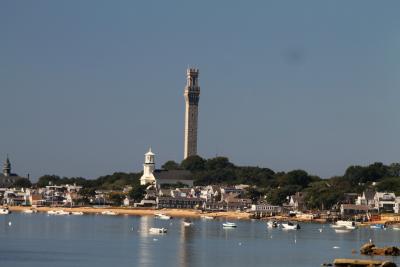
point(141, 212)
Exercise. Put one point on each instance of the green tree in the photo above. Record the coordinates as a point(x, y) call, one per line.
point(170, 165)
point(46, 180)
point(218, 163)
point(389, 184)
point(116, 198)
point(138, 192)
point(193, 163)
point(278, 196)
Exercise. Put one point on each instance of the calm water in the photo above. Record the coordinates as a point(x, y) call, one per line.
point(90, 240)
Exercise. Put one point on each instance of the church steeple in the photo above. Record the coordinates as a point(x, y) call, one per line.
point(148, 169)
point(7, 167)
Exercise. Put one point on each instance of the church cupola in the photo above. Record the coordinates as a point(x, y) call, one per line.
point(149, 157)
point(7, 167)
point(148, 169)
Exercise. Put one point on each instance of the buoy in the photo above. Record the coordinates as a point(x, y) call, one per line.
point(240, 243)
point(320, 230)
point(9, 223)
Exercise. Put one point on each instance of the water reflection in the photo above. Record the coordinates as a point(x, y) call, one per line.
point(186, 254)
point(145, 251)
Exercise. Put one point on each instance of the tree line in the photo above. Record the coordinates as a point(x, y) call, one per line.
point(265, 183)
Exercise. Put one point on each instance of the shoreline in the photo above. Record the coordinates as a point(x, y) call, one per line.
point(182, 213)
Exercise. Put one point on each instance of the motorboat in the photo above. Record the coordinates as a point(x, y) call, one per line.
point(108, 212)
point(351, 227)
point(154, 230)
point(52, 212)
point(378, 226)
point(346, 224)
point(29, 211)
point(162, 216)
point(77, 213)
point(396, 227)
point(187, 223)
point(207, 217)
point(342, 231)
point(5, 211)
point(272, 224)
point(290, 226)
point(229, 225)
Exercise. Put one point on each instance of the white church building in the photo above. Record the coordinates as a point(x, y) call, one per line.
point(159, 177)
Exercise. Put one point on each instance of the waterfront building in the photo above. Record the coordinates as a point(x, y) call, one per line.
point(192, 96)
point(179, 202)
point(265, 208)
point(385, 202)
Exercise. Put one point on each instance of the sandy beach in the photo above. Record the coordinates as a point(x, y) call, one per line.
point(140, 212)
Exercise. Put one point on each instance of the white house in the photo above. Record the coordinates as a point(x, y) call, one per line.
point(385, 202)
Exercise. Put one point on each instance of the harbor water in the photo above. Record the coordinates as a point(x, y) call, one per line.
point(99, 240)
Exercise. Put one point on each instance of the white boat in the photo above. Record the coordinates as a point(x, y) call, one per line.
point(108, 212)
point(351, 227)
point(154, 230)
point(272, 224)
point(77, 213)
point(52, 212)
point(29, 211)
point(342, 231)
point(187, 224)
point(345, 223)
point(378, 226)
point(162, 216)
point(396, 228)
point(207, 217)
point(5, 211)
point(290, 226)
point(63, 212)
point(229, 225)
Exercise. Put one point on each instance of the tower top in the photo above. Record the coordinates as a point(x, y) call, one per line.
point(149, 153)
point(192, 72)
point(7, 167)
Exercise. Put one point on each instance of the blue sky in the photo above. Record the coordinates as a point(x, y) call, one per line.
point(87, 86)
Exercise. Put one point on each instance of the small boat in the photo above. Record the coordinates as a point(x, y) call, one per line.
point(290, 226)
point(108, 212)
point(344, 224)
point(162, 216)
point(154, 230)
point(5, 211)
point(342, 231)
point(77, 213)
point(205, 217)
point(30, 211)
point(396, 227)
point(62, 212)
point(52, 212)
point(378, 226)
point(351, 227)
point(272, 224)
point(187, 223)
point(229, 225)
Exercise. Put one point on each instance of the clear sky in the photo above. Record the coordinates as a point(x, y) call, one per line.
point(87, 86)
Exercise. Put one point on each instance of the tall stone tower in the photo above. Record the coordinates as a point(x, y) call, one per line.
point(192, 95)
